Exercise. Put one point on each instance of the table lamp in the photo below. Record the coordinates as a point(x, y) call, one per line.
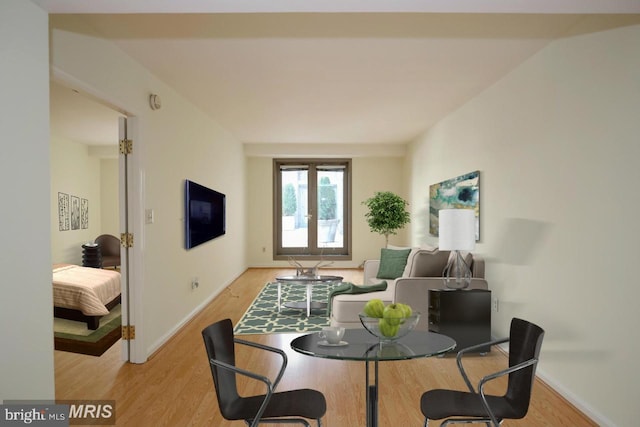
point(457, 233)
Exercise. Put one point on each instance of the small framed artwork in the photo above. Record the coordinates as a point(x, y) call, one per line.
point(84, 213)
point(75, 213)
point(63, 211)
point(461, 192)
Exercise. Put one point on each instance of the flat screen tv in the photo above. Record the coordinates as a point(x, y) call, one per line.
point(204, 214)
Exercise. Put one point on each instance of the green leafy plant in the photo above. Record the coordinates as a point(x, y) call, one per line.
point(387, 213)
point(289, 201)
point(327, 199)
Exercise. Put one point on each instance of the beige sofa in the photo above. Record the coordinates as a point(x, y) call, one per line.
point(422, 272)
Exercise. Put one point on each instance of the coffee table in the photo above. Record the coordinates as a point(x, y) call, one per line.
point(308, 281)
point(361, 345)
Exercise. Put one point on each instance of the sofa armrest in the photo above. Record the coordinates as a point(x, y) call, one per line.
point(414, 291)
point(477, 268)
point(371, 267)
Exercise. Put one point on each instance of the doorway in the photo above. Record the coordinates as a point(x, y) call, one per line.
point(89, 129)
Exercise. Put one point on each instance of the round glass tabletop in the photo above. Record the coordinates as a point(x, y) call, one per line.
point(358, 344)
point(305, 279)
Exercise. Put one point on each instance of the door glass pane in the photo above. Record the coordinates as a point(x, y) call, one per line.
point(330, 208)
point(294, 208)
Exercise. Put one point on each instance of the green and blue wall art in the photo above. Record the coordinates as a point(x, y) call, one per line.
point(461, 192)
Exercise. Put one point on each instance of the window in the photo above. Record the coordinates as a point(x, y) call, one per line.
point(312, 208)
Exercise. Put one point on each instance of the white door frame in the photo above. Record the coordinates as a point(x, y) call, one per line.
point(132, 259)
point(131, 199)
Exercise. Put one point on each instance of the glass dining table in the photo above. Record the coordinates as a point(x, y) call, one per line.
point(360, 345)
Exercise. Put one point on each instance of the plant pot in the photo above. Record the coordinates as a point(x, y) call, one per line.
point(289, 222)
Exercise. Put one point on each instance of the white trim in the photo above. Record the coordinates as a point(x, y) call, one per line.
point(124, 262)
point(595, 416)
point(138, 353)
point(166, 337)
point(73, 82)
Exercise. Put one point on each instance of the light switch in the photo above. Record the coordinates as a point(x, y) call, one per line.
point(149, 216)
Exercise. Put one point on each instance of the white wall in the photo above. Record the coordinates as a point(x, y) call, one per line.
point(26, 352)
point(174, 143)
point(76, 173)
point(109, 200)
point(556, 143)
point(369, 174)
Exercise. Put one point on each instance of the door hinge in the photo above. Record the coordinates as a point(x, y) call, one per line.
point(128, 332)
point(126, 240)
point(126, 146)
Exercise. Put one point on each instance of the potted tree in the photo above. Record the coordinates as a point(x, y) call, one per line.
point(327, 211)
point(289, 207)
point(387, 213)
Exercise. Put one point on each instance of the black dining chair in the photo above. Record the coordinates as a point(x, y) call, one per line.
point(274, 407)
point(474, 406)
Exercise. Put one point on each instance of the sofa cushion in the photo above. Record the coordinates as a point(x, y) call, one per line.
point(347, 288)
point(346, 307)
point(429, 264)
point(392, 263)
point(412, 256)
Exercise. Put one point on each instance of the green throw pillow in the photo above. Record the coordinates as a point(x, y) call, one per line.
point(392, 263)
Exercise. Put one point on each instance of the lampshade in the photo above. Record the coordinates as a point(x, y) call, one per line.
point(457, 230)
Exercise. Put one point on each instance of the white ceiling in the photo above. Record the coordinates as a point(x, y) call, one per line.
point(348, 78)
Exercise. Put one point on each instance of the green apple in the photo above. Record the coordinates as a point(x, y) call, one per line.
point(393, 350)
point(387, 329)
point(393, 314)
point(406, 308)
point(374, 308)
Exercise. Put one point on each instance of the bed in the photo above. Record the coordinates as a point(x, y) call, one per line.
point(83, 293)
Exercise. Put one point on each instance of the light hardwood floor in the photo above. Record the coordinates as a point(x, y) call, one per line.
point(174, 388)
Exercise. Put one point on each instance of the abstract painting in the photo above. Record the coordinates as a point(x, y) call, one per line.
point(461, 192)
point(63, 211)
point(84, 213)
point(75, 213)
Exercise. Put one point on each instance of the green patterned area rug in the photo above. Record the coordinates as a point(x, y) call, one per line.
point(262, 317)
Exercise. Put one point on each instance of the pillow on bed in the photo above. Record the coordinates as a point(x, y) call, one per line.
point(392, 263)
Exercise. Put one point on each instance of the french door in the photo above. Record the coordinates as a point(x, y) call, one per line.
point(312, 208)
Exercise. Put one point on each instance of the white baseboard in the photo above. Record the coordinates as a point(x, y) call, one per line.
point(163, 339)
point(595, 416)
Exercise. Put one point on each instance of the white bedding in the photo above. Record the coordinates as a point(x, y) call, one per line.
point(84, 288)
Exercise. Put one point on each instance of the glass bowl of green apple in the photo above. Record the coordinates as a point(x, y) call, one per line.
point(388, 322)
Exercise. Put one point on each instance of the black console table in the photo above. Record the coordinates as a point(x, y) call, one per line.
point(91, 255)
point(462, 314)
